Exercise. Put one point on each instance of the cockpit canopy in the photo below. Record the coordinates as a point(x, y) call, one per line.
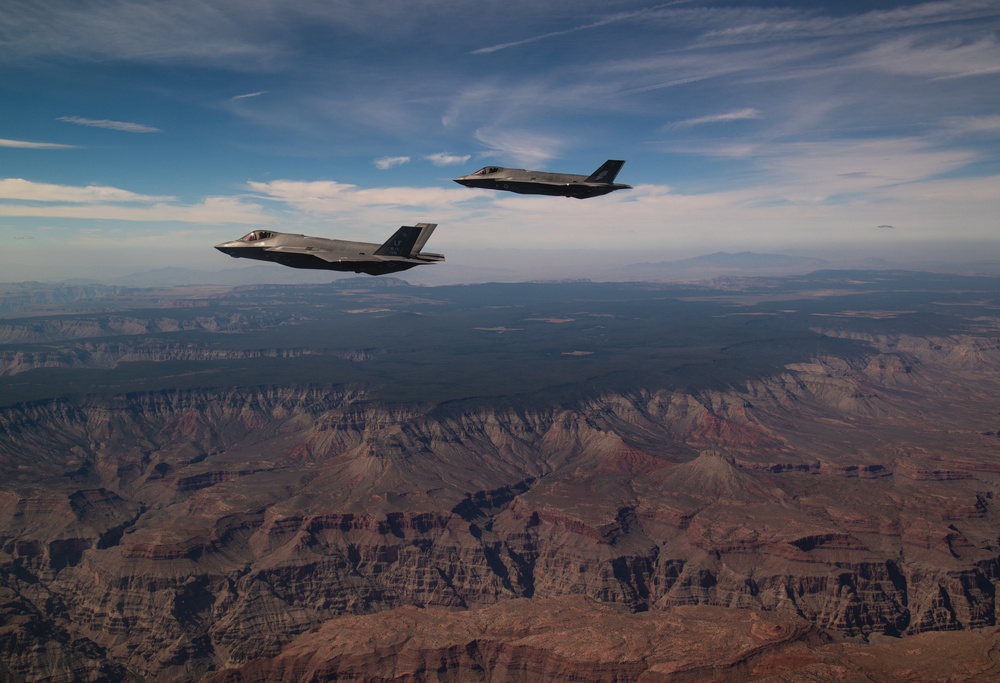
point(256, 235)
point(488, 170)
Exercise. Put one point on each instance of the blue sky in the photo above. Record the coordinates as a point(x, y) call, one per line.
point(136, 135)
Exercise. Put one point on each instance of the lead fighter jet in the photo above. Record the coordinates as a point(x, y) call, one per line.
point(601, 181)
point(400, 252)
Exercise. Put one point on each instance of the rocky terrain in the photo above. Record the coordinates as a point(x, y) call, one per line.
point(312, 533)
point(181, 534)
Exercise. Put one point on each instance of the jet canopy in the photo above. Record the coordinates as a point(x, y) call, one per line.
point(488, 170)
point(256, 235)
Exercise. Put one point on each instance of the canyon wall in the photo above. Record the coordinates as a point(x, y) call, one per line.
point(259, 534)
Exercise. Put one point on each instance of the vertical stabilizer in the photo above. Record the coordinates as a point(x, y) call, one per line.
point(426, 230)
point(401, 243)
point(607, 172)
point(408, 240)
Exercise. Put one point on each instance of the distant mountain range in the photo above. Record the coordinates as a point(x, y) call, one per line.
point(743, 260)
point(755, 264)
point(719, 262)
point(516, 267)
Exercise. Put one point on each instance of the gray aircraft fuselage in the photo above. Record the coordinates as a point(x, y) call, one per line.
point(400, 252)
point(519, 180)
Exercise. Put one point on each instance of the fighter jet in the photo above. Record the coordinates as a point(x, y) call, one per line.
point(400, 252)
point(601, 181)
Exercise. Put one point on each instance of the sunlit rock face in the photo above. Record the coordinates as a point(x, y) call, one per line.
point(314, 533)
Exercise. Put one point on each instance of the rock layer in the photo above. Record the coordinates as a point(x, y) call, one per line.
point(250, 535)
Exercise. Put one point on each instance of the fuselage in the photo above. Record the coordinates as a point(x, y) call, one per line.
point(523, 181)
point(253, 244)
point(320, 253)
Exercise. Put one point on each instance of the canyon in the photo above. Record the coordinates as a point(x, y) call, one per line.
point(832, 516)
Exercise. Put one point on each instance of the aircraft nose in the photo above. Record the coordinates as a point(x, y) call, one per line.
point(462, 180)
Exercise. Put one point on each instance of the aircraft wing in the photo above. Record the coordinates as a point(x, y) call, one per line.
point(340, 257)
point(335, 256)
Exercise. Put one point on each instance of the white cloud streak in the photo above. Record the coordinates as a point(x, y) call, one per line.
point(96, 202)
point(809, 173)
point(973, 124)
point(211, 211)
point(388, 162)
point(942, 61)
point(330, 197)
point(615, 18)
point(329, 208)
point(524, 147)
point(26, 190)
point(236, 98)
point(110, 125)
point(186, 31)
point(24, 144)
point(445, 159)
point(740, 115)
point(766, 25)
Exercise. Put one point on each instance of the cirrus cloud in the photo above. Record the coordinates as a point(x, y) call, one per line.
point(329, 196)
point(524, 147)
point(24, 198)
point(741, 115)
point(26, 190)
point(125, 126)
point(384, 163)
point(25, 144)
point(445, 159)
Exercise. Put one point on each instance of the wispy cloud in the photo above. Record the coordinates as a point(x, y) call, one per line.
point(445, 159)
point(210, 211)
point(666, 84)
point(25, 190)
point(388, 162)
point(623, 16)
point(523, 146)
point(24, 144)
point(236, 98)
point(96, 202)
point(817, 172)
point(330, 197)
point(973, 124)
point(185, 32)
point(535, 39)
point(125, 126)
point(741, 115)
point(942, 60)
point(343, 209)
point(659, 70)
point(764, 25)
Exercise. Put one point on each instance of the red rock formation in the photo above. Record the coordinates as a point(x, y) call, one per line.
point(286, 533)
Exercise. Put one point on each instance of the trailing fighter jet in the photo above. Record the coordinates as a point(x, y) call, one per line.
point(400, 252)
point(601, 181)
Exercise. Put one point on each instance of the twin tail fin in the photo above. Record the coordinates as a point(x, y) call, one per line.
point(408, 240)
point(607, 172)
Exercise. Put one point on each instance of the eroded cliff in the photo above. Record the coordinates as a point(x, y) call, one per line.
point(252, 535)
